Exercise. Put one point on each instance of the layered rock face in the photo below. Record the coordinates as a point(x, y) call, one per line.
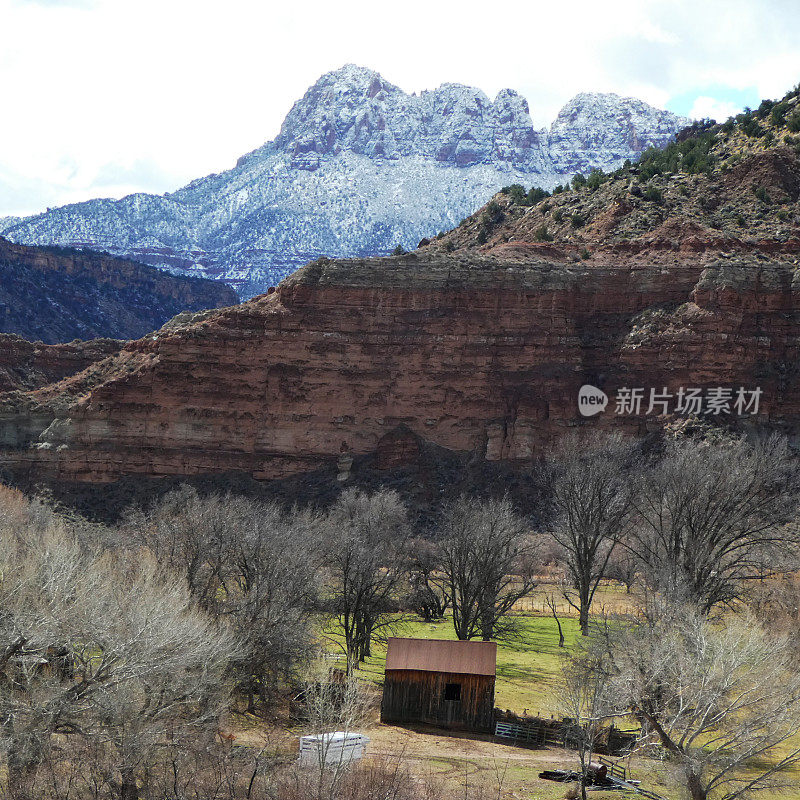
point(28, 365)
point(359, 167)
point(51, 295)
point(484, 356)
point(604, 129)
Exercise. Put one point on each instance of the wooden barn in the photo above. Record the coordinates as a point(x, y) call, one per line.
point(444, 683)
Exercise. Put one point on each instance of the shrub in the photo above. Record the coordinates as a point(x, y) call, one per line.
point(793, 122)
point(572, 792)
point(765, 108)
point(585, 253)
point(692, 154)
point(558, 215)
point(578, 181)
point(578, 220)
point(558, 189)
point(482, 236)
point(516, 192)
point(654, 195)
point(542, 234)
point(595, 179)
point(519, 196)
point(449, 247)
point(750, 126)
point(762, 194)
point(536, 194)
point(778, 114)
point(399, 251)
point(493, 213)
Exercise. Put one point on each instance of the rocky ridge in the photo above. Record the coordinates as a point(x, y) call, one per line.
point(55, 295)
point(358, 167)
point(28, 365)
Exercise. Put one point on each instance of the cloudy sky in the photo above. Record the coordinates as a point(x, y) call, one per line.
point(101, 98)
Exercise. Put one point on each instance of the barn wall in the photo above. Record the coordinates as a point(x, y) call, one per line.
point(418, 696)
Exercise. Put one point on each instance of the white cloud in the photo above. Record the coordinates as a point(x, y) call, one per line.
point(709, 108)
point(183, 87)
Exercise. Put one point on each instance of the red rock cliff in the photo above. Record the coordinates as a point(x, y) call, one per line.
point(473, 355)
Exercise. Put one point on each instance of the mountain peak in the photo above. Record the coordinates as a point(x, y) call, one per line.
point(359, 166)
point(610, 102)
point(598, 127)
point(352, 77)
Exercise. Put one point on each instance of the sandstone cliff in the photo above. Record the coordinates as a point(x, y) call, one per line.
point(28, 365)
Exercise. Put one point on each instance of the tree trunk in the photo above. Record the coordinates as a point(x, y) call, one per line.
point(560, 632)
point(21, 779)
point(583, 618)
point(128, 788)
point(554, 609)
point(696, 789)
point(22, 766)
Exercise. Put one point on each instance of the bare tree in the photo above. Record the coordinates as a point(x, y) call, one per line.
point(722, 700)
point(79, 633)
point(585, 696)
point(363, 539)
point(591, 496)
point(776, 604)
point(335, 703)
point(426, 597)
point(248, 563)
point(270, 590)
point(710, 518)
point(550, 600)
point(190, 535)
point(167, 674)
point(623, 567)
point(487, 563)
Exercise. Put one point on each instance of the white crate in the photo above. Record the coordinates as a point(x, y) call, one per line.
point(339, 747)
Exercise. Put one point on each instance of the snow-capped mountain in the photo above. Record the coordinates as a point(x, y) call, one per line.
point(358, 167)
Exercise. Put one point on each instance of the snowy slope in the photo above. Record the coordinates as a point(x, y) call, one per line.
point(359, 166)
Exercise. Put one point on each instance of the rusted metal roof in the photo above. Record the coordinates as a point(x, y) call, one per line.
point(436, 655)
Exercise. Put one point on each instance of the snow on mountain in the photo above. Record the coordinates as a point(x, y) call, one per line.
point(358, 167)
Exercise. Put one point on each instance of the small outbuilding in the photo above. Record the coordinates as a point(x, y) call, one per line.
point(444, 683)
